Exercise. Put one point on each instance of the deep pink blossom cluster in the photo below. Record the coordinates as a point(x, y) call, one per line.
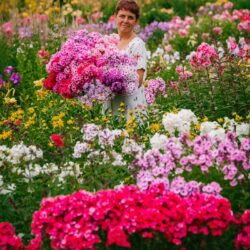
point(154, 87)
point(91, 60)
point(243, 238)
point(203, 57)
point(73, 221)
point(184, 74)
point(8, 239)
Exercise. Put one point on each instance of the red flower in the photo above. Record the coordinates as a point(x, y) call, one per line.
point(57, 139)
point(43, 53)
point(18, 122)
point(50, 82)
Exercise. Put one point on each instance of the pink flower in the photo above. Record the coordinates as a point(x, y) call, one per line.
point(80, 20)
point(203, 58)
point(184, 75)
point(57, 139)
point(228, 5)
point(154, 87)
point(8, 239)
point(183, 32)
point(217, 30)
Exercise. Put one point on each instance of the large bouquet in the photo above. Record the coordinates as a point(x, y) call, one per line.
point(90, 65)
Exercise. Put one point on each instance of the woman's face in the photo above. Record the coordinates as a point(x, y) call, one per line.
point(125, 21)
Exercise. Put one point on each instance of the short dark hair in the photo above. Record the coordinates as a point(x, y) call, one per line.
point(129, 5)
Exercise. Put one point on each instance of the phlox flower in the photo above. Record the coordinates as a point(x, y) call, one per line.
point(57, 139)
point(90, 66)
point(203, 57)
point(154, 87)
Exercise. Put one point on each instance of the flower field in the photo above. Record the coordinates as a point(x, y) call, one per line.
point(175, 176)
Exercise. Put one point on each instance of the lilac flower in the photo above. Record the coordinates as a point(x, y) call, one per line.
point(8, 70)
point(15, 78)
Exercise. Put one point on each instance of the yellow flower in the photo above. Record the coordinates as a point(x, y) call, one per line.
point(31, 110)
point(5, 134)
point(44, 110)
point(9, 101)
point(25, 14)
point(57, 122)
point(17, 115)
point(61, 115)
point(198, 126)
point(154, 127)
point(30, 122)
point(70, 122)
point(205, 119)
point(220, 120)
point(167, 11)
point(105, 119)
point(220, 2)
point(39, 83)
point(41, 94)
point(51, 145)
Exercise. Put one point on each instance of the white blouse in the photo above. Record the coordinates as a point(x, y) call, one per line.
point(136, 48)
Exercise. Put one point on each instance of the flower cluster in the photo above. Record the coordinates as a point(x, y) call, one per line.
point(180, 122)
point(12, 77)
point(173, 156)
point(89, 63)
point(98, 144)
point(8, 239)
point(74, 221)
point(242, 49)
point(154, 87)
point(148, 31)
point(184, 75)
point(204, 56)
point(243, 238)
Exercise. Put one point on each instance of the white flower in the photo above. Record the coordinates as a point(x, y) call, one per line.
point(229, 124)
point(218, 133)
point(187, 115)
point(242, 129)
point(207, 127)
point(118, 160)
point(170, 122)
point(131, 147)
point(158, 141)
point(80, 148)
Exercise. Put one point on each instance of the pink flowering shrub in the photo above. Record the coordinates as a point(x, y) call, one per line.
point(74, 221)
point(154, 87)
point(8, 239)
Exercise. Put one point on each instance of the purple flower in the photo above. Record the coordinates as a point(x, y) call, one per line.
point(15, 78)
point(118, 87)
point(8, 70)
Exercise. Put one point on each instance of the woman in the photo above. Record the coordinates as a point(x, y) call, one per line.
point(126, 15)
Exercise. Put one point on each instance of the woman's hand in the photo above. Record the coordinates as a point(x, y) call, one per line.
point(140, 72)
